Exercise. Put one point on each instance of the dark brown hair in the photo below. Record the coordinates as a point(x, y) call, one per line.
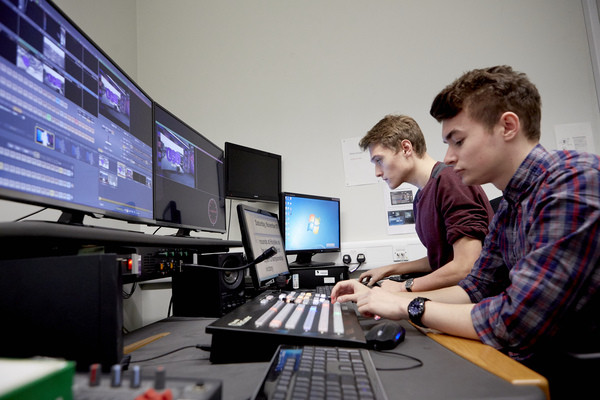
point(487, 93)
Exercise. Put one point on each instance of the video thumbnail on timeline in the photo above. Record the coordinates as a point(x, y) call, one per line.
point(174, 157)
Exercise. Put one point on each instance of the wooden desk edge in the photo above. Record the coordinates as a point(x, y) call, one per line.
point(492, 360)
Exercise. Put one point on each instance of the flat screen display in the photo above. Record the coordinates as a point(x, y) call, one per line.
point(310, 225)
point(189, 180)
point(260, 231)
point(252, 174)
point(75, 131)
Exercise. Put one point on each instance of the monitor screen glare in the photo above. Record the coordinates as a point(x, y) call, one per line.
point(75, 131)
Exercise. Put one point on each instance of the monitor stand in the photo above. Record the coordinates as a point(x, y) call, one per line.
point(304, 259)
point(72, 217)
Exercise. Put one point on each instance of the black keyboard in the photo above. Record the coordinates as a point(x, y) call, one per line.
point(318, 372)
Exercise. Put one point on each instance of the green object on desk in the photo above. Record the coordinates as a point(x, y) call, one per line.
point(36, 379)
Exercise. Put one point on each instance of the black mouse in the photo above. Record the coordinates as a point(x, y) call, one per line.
point(385, 335)
point(366, 282)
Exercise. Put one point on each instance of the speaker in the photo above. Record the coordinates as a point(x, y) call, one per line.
point(67, 307)
point(203, 292)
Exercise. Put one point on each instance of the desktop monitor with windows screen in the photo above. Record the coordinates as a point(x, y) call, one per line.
point(252, 174)
point(310, 225)
point(260, 231)
point(75, 131)
point(189, 182)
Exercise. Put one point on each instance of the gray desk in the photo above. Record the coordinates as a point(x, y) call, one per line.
point(443, 374)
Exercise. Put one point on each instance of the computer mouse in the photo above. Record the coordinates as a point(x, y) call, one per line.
point(367, 280)
point(385, 335)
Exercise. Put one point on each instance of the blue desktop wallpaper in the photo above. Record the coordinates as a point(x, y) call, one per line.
point(311, 224)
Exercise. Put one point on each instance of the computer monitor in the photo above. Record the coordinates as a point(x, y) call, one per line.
point(252, 174)
point(189, 183)
point(310, 225)
point(260, 231)
point(75, 131)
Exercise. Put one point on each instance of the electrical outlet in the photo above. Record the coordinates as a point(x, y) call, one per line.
point(399, 254)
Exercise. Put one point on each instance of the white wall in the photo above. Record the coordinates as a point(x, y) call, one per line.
point(296, 77)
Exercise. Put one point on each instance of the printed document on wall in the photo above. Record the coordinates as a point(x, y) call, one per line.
point(575, 137)
point(357, 164)
point(400, 217)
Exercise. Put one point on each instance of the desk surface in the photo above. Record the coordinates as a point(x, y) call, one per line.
point(444, 374)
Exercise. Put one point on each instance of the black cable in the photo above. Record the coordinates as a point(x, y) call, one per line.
point(32, 214)
point(217, 268)
point(197, 346)
point(128, 295)
point(170, 305)
point(391, 353)
point(229, 222)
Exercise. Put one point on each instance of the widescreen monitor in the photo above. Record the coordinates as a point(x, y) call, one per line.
point(75, 130)
point(252, 174)
point(189, 181)
point(310, 225)
point(260, 231)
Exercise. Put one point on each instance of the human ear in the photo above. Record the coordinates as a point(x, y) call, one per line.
point(406, 147)
point(510, 124)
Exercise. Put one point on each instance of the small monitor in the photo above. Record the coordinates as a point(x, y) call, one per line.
point(252, 174)
point(310, 225)
point(260, 231)
point(189, 182)
point(76, 131)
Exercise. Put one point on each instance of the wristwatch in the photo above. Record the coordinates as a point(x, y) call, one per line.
point(416, 308)
point(408, 284)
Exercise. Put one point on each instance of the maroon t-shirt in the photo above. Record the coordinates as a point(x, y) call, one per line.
point(446, 210)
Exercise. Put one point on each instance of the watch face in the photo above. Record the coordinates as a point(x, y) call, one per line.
point(414, 307)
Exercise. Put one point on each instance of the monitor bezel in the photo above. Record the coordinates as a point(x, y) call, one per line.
point(183, 229)
point(284, 221)
point(257, 283)
point(74, 213)
point(238, 194)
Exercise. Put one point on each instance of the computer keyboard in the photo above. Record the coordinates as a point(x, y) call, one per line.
point(319, 372)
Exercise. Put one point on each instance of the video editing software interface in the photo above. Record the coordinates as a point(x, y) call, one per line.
point(75, 132)
point(189, 187)
point(311, 224)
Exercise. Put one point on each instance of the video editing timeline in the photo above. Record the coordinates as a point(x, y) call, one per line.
point(75, 130)
point(274, 318)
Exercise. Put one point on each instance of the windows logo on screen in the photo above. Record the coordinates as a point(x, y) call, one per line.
point(313, 224)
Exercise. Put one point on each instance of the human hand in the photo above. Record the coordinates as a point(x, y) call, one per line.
point(347, 290)
point(374, 275)
point(383, 303)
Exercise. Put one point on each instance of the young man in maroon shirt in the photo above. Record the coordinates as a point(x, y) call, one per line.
point(451, 218)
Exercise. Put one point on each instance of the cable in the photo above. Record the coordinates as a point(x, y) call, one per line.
point(128, 295)
point(197, 346)
point(354, 269)
point(30, 215)
point(213, 267)
point(391, 353)
point(229, 222)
